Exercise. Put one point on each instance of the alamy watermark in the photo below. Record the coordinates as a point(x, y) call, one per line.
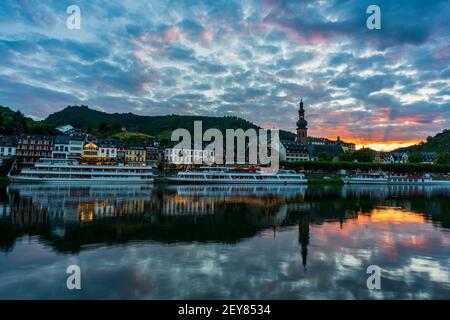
point(240, 147)
point(374, 280)
point(74, 280)
point(73, 21)
point(374, 20)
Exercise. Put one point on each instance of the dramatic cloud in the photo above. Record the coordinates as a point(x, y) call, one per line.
point(254, 59)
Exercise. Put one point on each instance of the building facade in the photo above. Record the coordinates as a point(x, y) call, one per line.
point(293, 151)
point(75, 147)
point(8, 146)
point(135, 154)
point(31, 148)
point(61, 147)
point(107, 151)
point(90, 151)
point(188, 156)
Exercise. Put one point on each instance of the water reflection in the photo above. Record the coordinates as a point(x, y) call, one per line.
point(274, 242)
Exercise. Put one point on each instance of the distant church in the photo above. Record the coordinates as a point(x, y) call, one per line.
point(304, 148)
point(302, 130)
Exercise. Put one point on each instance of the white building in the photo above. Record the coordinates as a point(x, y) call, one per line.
point(61, 147)
point(293, 151)
point(65, 128)
point(75, 147)
point(8, 146)
point(188, 156)
point(107, 151)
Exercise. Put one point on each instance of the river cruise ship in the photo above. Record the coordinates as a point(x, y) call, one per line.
point(238, 175)
point(394, 179)
point(425, 179)
point(68, 171)
point(367, 178)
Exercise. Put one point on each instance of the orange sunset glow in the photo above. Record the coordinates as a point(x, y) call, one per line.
point(382, 145)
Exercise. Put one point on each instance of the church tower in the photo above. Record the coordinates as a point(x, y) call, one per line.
point(302, 130)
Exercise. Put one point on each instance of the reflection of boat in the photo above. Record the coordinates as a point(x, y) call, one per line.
point(237, 175)
point(218, 190)
point(62, 170)
point(367, 178)
point(68, 202)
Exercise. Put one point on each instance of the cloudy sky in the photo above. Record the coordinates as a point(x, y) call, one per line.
point(254, 59)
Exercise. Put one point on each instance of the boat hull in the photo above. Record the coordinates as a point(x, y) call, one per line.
point(357, 181)
point(421, 183)
point(176, 180)
point(399, 183)
point(19, 179)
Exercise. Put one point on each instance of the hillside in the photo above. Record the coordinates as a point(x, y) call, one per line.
point(15, 123)
point(133, 136)
point(85, 118)
point(438, 143)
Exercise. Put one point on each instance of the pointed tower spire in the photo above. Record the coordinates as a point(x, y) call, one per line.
point(302, 130)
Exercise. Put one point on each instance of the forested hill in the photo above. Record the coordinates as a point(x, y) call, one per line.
point(162, 126)
point(438, 143)
point(15, 123)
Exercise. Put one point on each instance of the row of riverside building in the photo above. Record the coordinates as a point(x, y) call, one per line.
point(31, 148)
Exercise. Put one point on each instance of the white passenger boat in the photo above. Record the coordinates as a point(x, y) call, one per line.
point(237, 175)
point(425, 179)
point(394, 179)
point(367, 178)
point(68, 171)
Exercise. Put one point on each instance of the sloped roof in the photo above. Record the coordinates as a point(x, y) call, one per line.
point(315, 150)
point(294, 147)
point(62, 139)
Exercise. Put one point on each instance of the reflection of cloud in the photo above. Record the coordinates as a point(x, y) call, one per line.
point(255, 268)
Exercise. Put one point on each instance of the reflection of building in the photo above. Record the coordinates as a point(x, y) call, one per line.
point(80, 202)
point(303, 237)
point(179, 205)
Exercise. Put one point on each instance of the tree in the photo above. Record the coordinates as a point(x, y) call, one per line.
point(364, 155)
point(108, 127)
point(323, 156)
point(17, 125)
point(415, 158)
point(443, 158)
point(346, 156)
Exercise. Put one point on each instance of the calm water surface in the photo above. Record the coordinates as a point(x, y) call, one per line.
point(217, 242)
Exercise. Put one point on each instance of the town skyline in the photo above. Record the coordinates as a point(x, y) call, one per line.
point(376, 147)
point(381, 89)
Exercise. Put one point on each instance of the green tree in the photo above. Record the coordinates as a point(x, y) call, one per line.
point(443, 158)
point(364, 155)
point(323, 156)
point(17, 125)
point(415, 158)
point(346, 156)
